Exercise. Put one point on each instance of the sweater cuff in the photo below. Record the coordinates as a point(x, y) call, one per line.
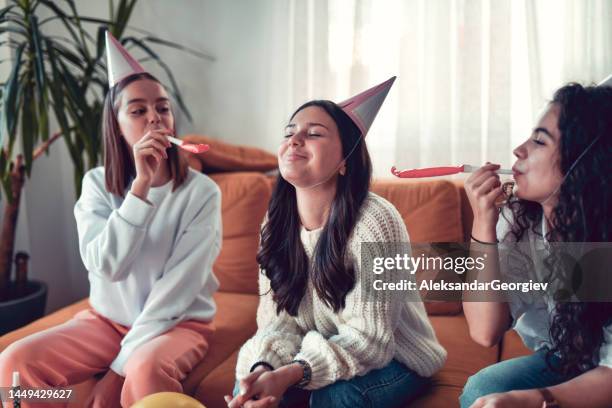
point(318, 367)
point(118, 363)
point(269, 357)
point(135, 210)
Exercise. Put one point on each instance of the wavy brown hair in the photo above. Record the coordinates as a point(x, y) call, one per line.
point(119, 169)
point(582, 214)
point(282, 256)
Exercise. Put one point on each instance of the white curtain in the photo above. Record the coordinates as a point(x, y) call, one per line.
point(472, 74)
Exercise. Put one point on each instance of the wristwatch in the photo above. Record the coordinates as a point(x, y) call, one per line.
point(307, 373)
point(549, 399)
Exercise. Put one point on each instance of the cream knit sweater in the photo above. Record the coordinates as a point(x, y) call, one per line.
point(367, 334)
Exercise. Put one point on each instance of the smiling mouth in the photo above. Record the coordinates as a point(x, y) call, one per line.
point(294, 156)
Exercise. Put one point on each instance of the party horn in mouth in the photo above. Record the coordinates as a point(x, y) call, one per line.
point(190, 147)
point(440, 171)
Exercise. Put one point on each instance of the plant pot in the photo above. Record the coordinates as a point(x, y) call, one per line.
point(18, 312)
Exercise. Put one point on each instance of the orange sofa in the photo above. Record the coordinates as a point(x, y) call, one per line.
point(434, 211)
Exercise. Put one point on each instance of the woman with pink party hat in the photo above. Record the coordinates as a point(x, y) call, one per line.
point(149, 232)
point(321, 326)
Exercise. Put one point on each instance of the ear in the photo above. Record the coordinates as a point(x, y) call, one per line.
point(342, 170)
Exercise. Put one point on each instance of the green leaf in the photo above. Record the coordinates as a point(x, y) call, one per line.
point(57, 93)
point(9, 104)
point(29, 125)
point(14, 30)
point(4, 11)
point(77, 35)
point(39, 62)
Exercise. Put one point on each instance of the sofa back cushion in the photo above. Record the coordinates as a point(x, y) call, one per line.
point(431, 211)
point(244, 202)
point(227, 157)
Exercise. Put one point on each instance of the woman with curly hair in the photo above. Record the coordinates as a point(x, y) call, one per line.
point(563, 179)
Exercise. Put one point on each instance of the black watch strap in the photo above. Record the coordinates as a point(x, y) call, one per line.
point(261, 363)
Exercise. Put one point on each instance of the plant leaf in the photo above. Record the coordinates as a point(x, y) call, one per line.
point(10, 101)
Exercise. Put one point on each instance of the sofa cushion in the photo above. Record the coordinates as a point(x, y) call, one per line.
point(431, 211)
point(465, 357)
point(244, 202)
point(218, 383)
point(235, 323)
point(224, 156)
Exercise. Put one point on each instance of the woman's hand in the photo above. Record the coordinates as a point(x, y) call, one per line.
point(149, 152)
point(482, 188)
point(107, 391)
point(261, 388)
point(523, 399)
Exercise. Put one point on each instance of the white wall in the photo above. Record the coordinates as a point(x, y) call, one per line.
point(227, 99)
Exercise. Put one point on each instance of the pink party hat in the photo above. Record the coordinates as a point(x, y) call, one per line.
point(606, 82)
point(362, 108)
point(120, 63)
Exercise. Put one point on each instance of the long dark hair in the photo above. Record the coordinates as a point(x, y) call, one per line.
point(119, 167)
point(582, 214)
point(282, 256)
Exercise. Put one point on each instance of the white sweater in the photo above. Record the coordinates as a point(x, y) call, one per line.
point(367, 334)
point(150, 265)
point(532, 315)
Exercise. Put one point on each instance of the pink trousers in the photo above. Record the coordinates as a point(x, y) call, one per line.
point(86, 345)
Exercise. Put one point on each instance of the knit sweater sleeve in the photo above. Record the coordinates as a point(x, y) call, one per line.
point(365, 338)
point(278, 336)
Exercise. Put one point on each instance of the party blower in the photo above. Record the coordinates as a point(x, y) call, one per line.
point(440, 171)
point(466, 168)
point(190, 147)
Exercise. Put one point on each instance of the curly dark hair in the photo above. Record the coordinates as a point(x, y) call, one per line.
point(282, 256)
point(582, 214)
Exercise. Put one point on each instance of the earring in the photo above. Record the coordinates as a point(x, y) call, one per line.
point(342, 171)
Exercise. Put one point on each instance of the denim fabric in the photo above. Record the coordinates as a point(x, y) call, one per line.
point(391, 386)
point(520, 373)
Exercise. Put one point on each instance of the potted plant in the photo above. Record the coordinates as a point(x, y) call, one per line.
point(66, 78)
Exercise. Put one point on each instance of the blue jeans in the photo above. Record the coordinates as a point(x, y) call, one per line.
point(520, 373)
point(390, 386)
